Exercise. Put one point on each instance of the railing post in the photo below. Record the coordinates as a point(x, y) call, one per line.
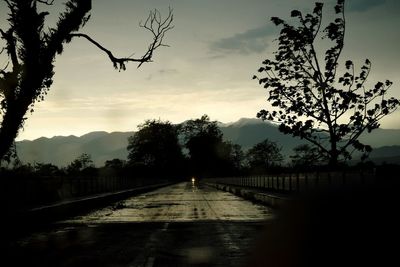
point(278, 179)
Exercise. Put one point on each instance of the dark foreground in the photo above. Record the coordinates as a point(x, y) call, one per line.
point(180, 225)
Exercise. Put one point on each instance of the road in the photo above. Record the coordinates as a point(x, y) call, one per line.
point(179, 225)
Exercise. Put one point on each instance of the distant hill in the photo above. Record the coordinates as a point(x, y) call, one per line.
point(248, 132)
point(61, 150)
point(102, 146)
point(386, 154)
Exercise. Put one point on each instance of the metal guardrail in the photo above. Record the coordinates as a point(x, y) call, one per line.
point(33, 191)
point(299, 182)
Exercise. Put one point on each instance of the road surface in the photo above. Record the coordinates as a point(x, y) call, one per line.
point(179, 225)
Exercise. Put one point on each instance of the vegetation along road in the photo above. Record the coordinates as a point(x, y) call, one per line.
point(179, 225)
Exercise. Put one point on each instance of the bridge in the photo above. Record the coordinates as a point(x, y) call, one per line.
point(201, 224)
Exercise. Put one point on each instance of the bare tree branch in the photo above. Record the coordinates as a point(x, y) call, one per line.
point(154, 24)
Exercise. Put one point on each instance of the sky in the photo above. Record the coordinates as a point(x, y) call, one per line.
point(215, 48)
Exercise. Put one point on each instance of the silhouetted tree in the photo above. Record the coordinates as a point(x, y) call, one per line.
point(306, 156)
point(115, 163)
point(236, 155)
point(310, 100)
point(156, 147)
point(264, 156)
point(114, 167)
point(200, 127)
point(203, 139)
point(32, 49)
point(229, 158)
point(46, 169)
point(81, 165)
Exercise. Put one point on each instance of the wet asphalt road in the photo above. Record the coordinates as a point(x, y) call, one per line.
point(179, 225)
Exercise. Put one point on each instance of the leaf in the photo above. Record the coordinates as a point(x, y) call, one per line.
point(348, 64)
point(295, 13)
point(277, 21)
point(378, 85)
point(339, 6)
point(318, 7)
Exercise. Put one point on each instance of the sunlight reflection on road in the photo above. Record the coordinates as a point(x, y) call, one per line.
point(180, 202)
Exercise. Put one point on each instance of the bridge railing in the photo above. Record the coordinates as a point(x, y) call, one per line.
point(299, 182)
point(25, 192)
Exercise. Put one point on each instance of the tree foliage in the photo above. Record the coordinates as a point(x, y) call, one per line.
point(82, 162)
point(209, 154)
point(31, 49)
point(306, 156)
point(201, 127)
point(46, 169)
point(310, 99)
point(264, 155)
point(115, 163)
point(156, 147)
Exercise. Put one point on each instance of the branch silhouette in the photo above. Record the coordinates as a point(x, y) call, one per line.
point(154, 23)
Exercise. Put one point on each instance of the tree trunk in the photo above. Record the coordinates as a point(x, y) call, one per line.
point(9, 127)
point(333, 157)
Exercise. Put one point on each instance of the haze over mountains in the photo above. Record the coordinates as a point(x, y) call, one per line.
point(102, 146)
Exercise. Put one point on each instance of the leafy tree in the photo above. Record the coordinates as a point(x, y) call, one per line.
point(310, 100)
point(235, 155)
point(264, 155)
point(156, 147)
point(209, 154)
point(203, 139)
point(306, 156)
point(114, 167)
point(46, 169)
point(115, 163)
point(82, 163)
point(200, 127)
point(229, 158)
point(32, 48)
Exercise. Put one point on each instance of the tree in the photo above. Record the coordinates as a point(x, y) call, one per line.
point(114, 167)
point(46, 169)
point(310, 100)
point(156, 147)
point(264, 155)
point(235, 155)
point(115, 164)
point(203, 139)
point(306, 156)
point(82, 163)
point(200, 127)
point(229, 158)
point(31, 49)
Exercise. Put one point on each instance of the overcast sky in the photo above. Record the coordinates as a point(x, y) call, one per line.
point(215, 49)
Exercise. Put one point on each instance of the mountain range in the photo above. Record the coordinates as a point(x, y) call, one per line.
point(102, 146)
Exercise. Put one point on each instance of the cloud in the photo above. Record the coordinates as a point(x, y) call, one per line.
point(363, 5)
point(248, 42)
